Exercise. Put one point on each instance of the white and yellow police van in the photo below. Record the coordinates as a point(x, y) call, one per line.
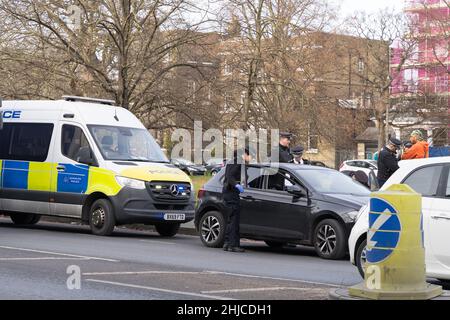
point(87, 159)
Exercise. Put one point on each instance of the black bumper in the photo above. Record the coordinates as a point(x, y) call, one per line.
point(138, 206)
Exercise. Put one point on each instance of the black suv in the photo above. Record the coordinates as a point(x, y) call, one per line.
point(286, 204)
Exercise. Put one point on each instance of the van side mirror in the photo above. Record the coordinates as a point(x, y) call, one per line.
point(85, 157)
point(296, 191)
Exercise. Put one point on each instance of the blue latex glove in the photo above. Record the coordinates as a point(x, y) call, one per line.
point(240, 188)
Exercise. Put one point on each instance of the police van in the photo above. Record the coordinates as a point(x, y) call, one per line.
point(87, 159)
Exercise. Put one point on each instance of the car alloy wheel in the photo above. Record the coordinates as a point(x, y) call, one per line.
point(363, 259)
point(326, 239)
point(210, 229)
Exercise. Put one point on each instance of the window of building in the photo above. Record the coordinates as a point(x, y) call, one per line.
point(313, 139)
point(227, 70)
point(74, 142)
point(361, 65)
point(25, 141)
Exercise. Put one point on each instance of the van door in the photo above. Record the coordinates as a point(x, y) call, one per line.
point(26, 173)
point(70, 176)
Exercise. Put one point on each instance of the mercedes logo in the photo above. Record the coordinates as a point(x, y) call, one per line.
point(174, 190)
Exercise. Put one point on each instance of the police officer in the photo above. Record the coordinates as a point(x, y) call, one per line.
point(388, 161)
point(232, 187)
point(284, 151)
point(297, 153)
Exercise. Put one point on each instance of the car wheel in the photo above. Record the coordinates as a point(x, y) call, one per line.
point(101, 218)
point(275, 244)
point(212, 229)
point(361, 258)
point(25, 218)
point(213, 173)
point(330, 240)
point(167, 229)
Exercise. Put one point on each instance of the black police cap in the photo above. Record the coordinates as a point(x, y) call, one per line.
point(286, 135)
point(297, 150)
point(395, 142)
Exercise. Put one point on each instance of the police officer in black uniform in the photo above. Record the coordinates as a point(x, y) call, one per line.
point(232, 187)
point(297, 153)
point(284, 151)
point(388, 161)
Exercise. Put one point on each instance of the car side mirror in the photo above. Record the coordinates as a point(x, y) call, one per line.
point(85, 157)
point(296, 191)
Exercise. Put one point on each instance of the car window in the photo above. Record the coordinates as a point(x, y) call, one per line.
point(447, 192)
point(73, 142)
point(425, 180)
point(278, 181)
point(255, 178)
point(351, 164)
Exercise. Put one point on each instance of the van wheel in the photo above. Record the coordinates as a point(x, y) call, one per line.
point(167, 229)
point(25, 218)
point(212, 229)
point(101, 218)
point(361, 258)
point(329, 240)
point(275, 244)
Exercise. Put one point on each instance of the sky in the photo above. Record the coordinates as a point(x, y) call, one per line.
point(370, 6)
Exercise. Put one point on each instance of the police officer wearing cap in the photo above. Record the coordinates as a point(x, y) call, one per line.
point(388, 161)
point(297, 153)
point(232, 188)
point(284, 151)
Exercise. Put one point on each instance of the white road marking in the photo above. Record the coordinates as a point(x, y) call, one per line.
point(58, 254)
point(119, 273)
point(43, 258)
point(191, 294)
point(157, 241)
point(273, 278)
point(259, 289)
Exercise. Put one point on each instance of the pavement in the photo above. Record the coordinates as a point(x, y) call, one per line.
point(44, 261)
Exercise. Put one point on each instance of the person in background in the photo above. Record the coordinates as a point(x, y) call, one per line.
point(232, 188)
point(297, 153)
point(419, 149)
point(284, 151)
point(388, 161)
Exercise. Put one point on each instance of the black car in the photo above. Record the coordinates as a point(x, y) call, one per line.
point(288, 204)
point(189, 167)
point(214, 165)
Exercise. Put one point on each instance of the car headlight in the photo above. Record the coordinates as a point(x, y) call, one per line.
point(353, 215)
point(130, 183)
point(361, 211)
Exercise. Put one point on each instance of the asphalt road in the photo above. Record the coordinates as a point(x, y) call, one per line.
point(34, 264)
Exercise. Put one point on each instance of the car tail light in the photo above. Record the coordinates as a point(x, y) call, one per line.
point(201, 193)
point(342, 164)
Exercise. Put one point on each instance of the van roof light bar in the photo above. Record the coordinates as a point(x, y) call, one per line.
point(89, 100)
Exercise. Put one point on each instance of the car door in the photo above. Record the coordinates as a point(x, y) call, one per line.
point(275, 212)
point(439, 224)
point(251, 205)
point(426, 181)
point(70, 176)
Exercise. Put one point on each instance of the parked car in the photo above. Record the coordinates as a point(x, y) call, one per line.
point(214, 165)
point(318, 164)
point(429, 177)
point(291, 204)
point(360, 165)
point(189, 167)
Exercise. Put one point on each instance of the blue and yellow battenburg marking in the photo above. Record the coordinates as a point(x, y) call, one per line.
point(384, 230)
point(44, 176)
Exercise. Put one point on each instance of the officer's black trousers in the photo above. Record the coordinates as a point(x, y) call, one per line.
point(232, 202)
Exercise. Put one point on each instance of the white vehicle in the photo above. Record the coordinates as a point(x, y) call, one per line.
point(87, 159)
point(360, 165)
point(429, 177)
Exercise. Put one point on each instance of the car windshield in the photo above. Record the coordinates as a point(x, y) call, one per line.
point(127, 144)
point(373, 162)
point(327, 181)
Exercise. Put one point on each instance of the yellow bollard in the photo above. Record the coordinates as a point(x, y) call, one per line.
point(395, 268)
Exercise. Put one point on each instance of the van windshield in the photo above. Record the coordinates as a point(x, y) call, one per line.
point(127, 144)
